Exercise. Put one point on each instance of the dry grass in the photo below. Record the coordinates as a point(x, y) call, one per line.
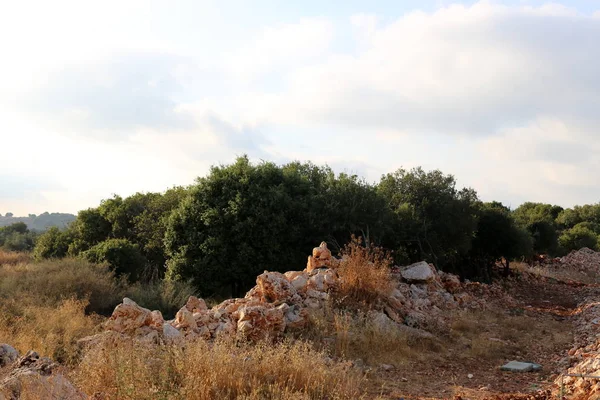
point(364, 276)
point(353, 336)
point(221, 370)
point(494, 335)
point(13, 258)
point(52, 331)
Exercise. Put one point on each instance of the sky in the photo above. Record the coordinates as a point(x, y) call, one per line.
point(104, 98)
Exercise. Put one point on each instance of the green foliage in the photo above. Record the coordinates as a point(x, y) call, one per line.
point(539, 220)
point(16, 237)
point(53, 243)
point(579, 236)
point(242, 219)
point(433, 219)
point(123, 257)
point(497, 237)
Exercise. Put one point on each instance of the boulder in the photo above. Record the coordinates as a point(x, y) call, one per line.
point(34, 375)
point(195, 304)
point(420, 272)
point(321, 258)
point(273, 287)
point(129, 318)
point(256, 323)
point(8, 355)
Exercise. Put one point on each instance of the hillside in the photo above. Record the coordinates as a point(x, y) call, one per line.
point(40, 222)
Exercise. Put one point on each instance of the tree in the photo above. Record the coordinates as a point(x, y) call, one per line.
point(9, 215)
point(434, 220)
point(242, 219)
point(498, 238)
point(578, 237)
point(539, 220)
point(123, 257)
point(53, 243)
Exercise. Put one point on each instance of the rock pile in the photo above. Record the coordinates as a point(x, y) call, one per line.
point(584, 357)
point(282, 302)
point(33, 376)
point(584, 260)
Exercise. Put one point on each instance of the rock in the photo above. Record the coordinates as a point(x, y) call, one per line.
point(8, 355)
point(321, 257)
point(257, 323)
point(273, 287)
point(184, 319)
point(128, 317)
point(470, 376)
point(518, 366)
point(381, 322)
point(34, 374)
point(386, 367)
point(418, 272)
point(195, 305)
point(300, 281)
point(170, 332)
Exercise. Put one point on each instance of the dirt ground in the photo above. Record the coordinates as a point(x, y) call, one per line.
point(467, 366)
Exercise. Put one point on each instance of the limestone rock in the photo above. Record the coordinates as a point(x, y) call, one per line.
point(257, 323)
point(273, 287)
point(195, 304)
point(321, 257)
point(8, 355)
point(33, 374)
point(418, 272)
point(128, 317)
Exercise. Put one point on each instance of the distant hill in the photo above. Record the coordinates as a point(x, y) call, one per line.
point(39, 222)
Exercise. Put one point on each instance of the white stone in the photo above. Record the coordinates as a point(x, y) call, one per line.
point(418, 272)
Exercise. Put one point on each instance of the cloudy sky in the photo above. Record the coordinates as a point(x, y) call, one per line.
point(102, 98)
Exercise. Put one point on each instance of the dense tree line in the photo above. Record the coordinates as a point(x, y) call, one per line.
point(17, 237)
point(244, 218)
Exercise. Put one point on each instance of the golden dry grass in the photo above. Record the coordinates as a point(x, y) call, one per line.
point(222, 370)
point(52, 331)
point(13, 258)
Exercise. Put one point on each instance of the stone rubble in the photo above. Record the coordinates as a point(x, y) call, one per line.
point(282, 302)
point(32, 374)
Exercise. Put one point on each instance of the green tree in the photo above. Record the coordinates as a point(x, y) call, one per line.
point(498, 238)
point(539, 220)
point(433, 219)
point(578, 237)
point(53, 243)
point(123, 257)
point(242, 219)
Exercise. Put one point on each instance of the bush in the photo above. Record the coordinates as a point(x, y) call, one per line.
point(52, 244)
point(123, 257)
point(166, 296)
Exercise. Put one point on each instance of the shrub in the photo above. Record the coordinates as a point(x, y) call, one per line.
point(123, 256)
point(166, 296)
point(365, 275)
point(52, 244)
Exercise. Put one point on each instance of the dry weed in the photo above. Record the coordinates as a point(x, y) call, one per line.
point(222, 370)
point(365, 276)
point(13, 258)
point(51, 331)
